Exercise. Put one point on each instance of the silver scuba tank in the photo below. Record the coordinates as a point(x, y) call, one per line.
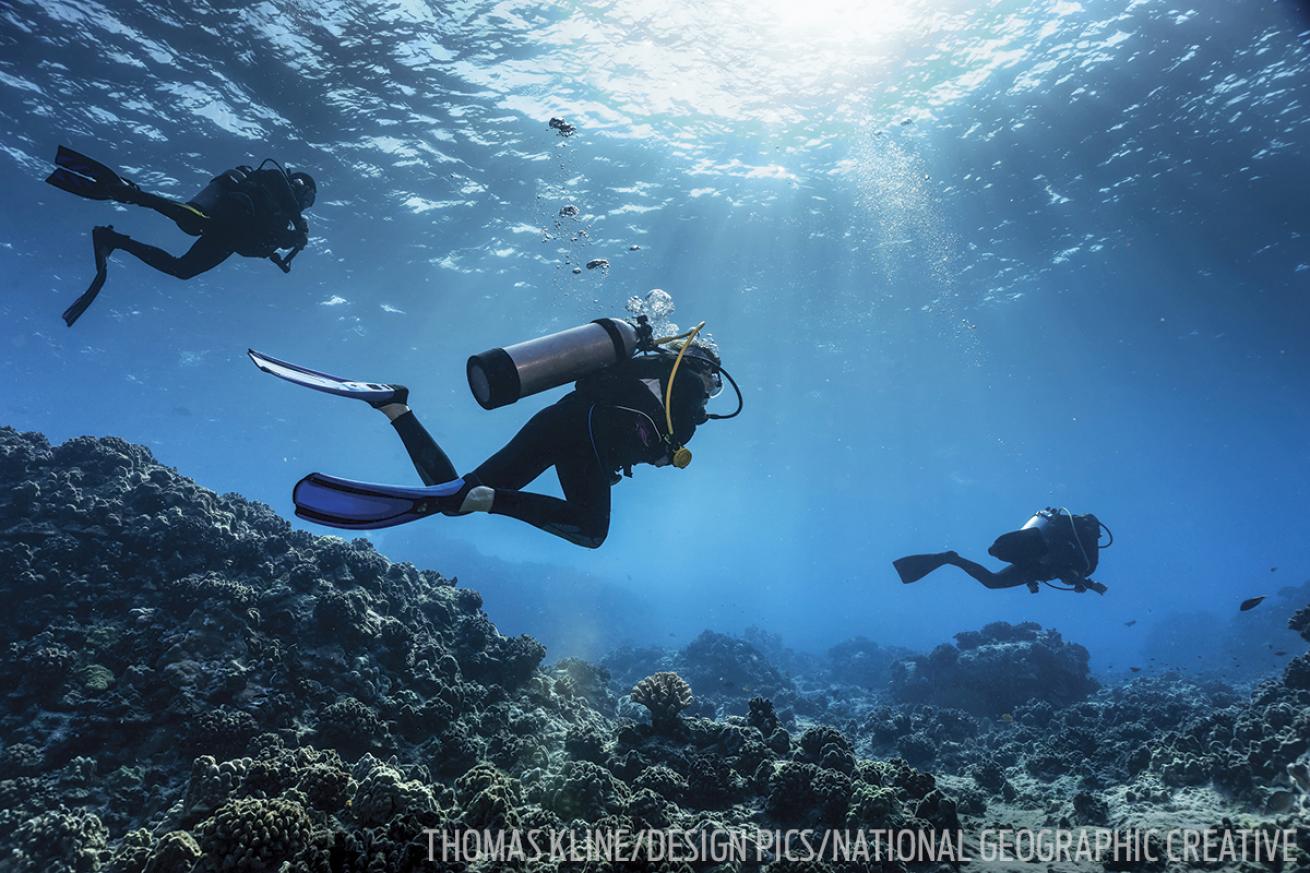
point(1065, 539)
point(1041, 521)
point(498, 377)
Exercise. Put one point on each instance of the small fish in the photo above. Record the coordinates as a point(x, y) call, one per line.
point(1130, 622)
point(1135, 669)
point(1280, 654)
point(1007, 718)
point(1273, 569)
point(1251, 603)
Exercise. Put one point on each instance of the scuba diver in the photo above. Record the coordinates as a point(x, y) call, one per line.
point(1053, 544)
point(250, 212)
point(634, 402)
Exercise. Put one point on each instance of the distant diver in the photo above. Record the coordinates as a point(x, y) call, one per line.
point(634, 402)
point(252, 212)
point(1053, 544)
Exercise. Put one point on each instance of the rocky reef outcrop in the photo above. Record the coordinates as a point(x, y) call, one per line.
point(192, 685)
point(724, 672)
point(993, 670)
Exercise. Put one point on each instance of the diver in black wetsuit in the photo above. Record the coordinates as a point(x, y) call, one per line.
point(611, 421)
point(250, 212)
point(634, 401)
point(1053, 544)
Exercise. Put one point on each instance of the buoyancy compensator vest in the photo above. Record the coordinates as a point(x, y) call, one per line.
point(1054, 543)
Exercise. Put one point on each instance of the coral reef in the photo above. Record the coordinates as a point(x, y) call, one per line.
point(863, 662)
point(664, 695)
point(994, 670)
point(193, 686)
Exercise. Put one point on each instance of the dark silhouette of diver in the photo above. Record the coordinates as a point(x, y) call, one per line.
point(1053, 544)
point(252, 212)
point(612, 420)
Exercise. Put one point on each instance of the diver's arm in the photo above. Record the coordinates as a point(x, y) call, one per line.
point(284, 262)
point(1081, 583)
point(296, 239)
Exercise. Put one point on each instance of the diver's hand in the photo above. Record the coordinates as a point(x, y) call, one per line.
point(284, 264)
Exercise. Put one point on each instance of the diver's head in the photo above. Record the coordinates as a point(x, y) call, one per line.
point(302, 185)
point(704, 362)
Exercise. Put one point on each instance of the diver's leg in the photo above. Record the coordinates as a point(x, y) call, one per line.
point(429, 460)
point(582, 518)
point(556, 436)
point(912, 568)
point(532, 451)
point(587, 488)
point(188, 219)
point(205, 254)
point(1010, 577)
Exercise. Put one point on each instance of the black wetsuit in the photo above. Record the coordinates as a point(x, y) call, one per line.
point(254, 213)
point(1067, 551)
point(610, 422)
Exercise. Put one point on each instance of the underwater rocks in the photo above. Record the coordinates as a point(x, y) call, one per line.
point(994, 670)
point(724, 673)
point(192, 685)
point(1258, 749)
point(861, 661)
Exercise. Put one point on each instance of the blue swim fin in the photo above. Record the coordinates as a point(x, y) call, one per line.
point(371, 392)
point(344, 503)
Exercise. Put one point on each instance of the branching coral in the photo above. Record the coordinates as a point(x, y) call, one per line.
point(664, 695)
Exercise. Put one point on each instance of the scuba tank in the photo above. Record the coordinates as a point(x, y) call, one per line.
point(223, 200)
point(207, 201)
point(501, 376)
point(1054, 538)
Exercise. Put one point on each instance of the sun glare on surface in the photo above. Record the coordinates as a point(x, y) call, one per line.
point(829, 21)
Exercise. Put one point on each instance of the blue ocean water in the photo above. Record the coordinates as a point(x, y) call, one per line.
point(966, 260)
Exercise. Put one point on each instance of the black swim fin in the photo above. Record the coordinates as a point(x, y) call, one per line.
point(79, 163)
point(74, 312)
point(80, 175)
point(915, 567)
point(82, 186)
point(101, 240)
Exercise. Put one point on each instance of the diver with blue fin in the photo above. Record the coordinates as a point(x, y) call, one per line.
point(252, 212)
point(634, 401)
point(1053, 544)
